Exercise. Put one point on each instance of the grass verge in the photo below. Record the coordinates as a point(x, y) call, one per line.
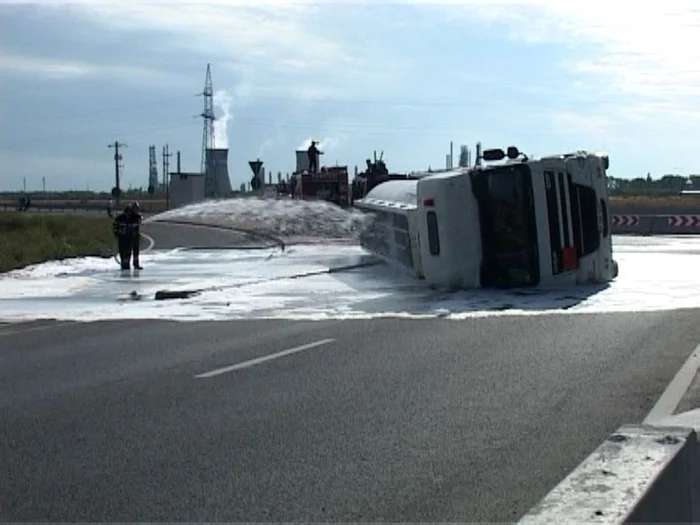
point(35, 238)
point(671, 202)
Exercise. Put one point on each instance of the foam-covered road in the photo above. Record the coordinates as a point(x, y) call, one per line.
point(381, 420)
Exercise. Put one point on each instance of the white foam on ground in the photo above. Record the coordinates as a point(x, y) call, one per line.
point(286, 218)
point(267, 284)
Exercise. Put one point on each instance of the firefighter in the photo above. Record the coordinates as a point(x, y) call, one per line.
point(127, 230)
point(313, 157)
point(137, 219)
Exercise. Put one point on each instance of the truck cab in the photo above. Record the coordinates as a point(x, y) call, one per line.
point(542, 222)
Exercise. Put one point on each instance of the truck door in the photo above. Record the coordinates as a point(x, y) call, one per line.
point(560, 218)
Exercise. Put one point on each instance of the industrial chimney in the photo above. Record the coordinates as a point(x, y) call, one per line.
point(463, 156)
point(218, 182)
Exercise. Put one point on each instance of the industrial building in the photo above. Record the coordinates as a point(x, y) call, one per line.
point(190, 187)
point(213, 181)
point(186, 188)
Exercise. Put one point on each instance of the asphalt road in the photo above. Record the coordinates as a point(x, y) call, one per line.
point(384, 420)
point(169, 236)
point(394, 420)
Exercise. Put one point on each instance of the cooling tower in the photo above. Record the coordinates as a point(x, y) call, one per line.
point(218, 184)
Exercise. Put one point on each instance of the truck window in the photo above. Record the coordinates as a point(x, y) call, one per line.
point(508, 230)
point(433, 236)
point(584, 211)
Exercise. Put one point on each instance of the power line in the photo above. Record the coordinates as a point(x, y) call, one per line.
point(372, 102)
point(128, 131)
point(113, 109)
point(131, 133)
point(291, 100)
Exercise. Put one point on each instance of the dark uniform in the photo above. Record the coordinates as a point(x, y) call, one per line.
point(313, 157)
point(127, 230)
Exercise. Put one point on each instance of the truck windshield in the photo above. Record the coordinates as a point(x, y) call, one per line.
point(508, 229)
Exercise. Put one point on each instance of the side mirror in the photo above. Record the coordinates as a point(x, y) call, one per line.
point(493, 154)
point(513, 152)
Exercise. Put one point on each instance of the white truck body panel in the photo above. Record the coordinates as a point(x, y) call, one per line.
point(567, 227)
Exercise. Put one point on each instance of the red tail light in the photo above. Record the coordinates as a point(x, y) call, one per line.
point(429, 202)
point(569, 259)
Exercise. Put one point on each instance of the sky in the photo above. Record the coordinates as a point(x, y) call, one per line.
point(405, 78)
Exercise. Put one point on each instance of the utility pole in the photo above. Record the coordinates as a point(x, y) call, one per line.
point(116, 191)
point(153, 169)
point(166, 173)
point(24, 184)
point(43, 184)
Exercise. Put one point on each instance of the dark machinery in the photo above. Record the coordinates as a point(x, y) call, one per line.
point(375, 174)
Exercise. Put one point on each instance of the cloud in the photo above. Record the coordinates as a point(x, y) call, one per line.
point(268, 36)
point(579, 124)
point(277, 138)
point(67, 69)
point(298, 49)
point(638, 60)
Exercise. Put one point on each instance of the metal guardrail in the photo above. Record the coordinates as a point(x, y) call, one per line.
point(73, 208)
point(656, 224)
point(640, 474)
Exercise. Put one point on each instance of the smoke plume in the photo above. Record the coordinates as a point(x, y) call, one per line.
point(224, 102)
point(321, 144)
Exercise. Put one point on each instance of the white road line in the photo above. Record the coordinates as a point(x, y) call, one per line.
point(670, 399)
point(150, 240)
point(259, 360)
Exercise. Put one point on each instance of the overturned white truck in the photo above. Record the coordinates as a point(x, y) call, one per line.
point(521, 222)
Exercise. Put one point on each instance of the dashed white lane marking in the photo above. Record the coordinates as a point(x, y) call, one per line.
point(263, 359)
point(676, 389)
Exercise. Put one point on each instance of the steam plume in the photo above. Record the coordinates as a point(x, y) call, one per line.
point(224, 102)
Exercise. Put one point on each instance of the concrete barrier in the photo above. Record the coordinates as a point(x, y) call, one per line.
point(656, 224)
point(640, 474)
